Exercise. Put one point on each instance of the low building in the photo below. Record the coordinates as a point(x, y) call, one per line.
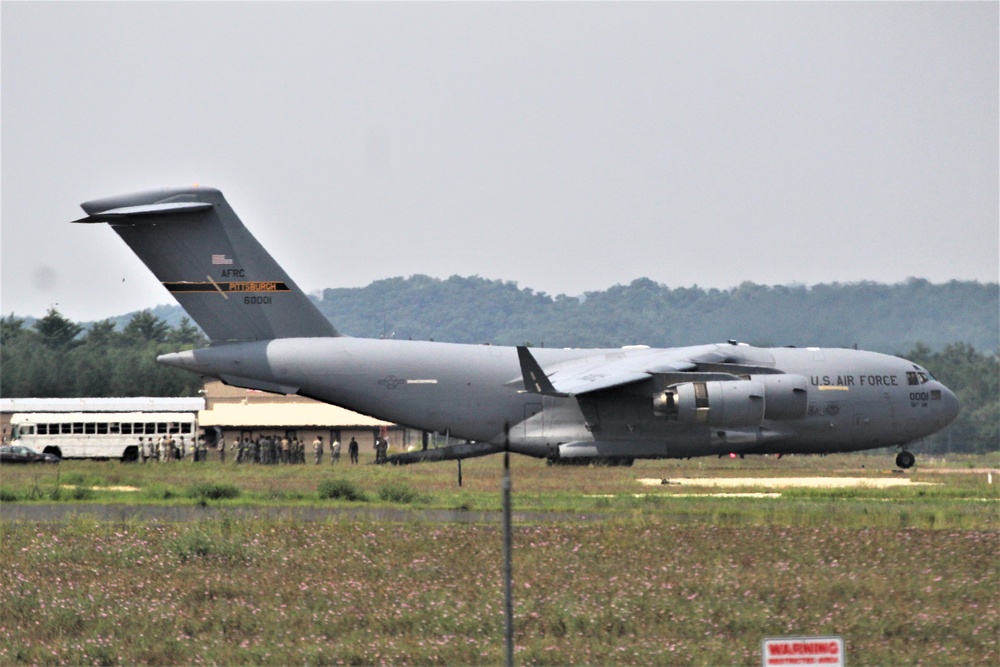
point(234, 413)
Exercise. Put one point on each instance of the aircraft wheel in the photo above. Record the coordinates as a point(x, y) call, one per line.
point(905, 460)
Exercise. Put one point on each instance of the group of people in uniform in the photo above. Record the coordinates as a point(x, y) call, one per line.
point(166, 448)
point(266, 450)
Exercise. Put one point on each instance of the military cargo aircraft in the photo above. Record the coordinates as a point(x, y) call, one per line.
point(566, 405)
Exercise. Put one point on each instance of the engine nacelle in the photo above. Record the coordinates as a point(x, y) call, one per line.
point(786, 396)
point(715, 403)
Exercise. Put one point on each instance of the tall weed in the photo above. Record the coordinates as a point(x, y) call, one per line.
point(341, 489)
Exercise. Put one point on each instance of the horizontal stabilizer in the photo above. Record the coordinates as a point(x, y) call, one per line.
point(115, 214)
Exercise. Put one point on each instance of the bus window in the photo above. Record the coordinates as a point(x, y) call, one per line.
point(185, 428)
point(27, 429)
point(102, 428)
point(43, 429)
point(161, 427)
point(90, 428)
point(77, 428)
point(113, 427)
point(67, 428)
point(174, 428)
point(126, 428)
point(150, 428)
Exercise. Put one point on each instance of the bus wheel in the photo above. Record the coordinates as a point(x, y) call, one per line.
point(54, 451)
point(131, 455)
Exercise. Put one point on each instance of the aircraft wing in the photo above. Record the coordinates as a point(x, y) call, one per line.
point(582, 377)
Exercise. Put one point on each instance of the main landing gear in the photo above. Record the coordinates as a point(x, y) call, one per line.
point(905, 459)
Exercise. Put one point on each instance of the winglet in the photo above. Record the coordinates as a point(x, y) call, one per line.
point(535, 379)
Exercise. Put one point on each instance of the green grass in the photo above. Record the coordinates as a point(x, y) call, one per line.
point(537, 487)
point(400, 494)
point(630, 590)
point(213, 491)
point(341, 489)
point(611, 573)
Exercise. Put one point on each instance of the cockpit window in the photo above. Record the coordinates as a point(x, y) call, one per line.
point(919, 376)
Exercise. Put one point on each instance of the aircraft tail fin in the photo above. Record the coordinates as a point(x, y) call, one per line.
point(196, 245)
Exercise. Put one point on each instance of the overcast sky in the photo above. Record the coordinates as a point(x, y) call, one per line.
point(567, 147)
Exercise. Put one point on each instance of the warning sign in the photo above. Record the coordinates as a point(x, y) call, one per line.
point(827, 651)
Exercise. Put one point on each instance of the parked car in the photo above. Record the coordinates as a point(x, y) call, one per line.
point(22, 454)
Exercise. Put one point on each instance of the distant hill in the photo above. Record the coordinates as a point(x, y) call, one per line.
point(875, 316)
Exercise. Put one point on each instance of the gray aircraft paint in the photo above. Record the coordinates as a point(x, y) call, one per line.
point(195, 245)
point(627, 403)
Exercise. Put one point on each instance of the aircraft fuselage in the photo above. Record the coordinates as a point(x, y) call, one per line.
point(634, 402)
point(846, 400)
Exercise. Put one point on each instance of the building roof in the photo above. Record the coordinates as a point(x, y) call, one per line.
point(283, 415)
point(123, 404)
point(221, 405)
point(235, 407)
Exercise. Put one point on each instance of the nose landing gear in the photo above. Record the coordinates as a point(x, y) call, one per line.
point(905, 459)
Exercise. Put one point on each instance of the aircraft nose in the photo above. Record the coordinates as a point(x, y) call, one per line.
point(949, 404)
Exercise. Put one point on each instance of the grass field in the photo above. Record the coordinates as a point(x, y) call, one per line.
point(671, 574)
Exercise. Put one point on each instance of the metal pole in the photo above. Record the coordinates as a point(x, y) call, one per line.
point(508, 591)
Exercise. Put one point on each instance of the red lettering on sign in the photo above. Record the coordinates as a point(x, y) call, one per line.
point(803, 651)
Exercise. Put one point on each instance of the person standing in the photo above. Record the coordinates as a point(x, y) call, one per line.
point(318, 449)
point(335, 451)
point(352, 450)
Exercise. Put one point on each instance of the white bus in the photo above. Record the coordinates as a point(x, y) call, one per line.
point(98, 435)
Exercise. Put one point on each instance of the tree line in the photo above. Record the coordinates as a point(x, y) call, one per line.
point(953, 330)
point(58, 358)
point(975, 379)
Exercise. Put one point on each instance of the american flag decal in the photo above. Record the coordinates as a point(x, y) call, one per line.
point(221, 259)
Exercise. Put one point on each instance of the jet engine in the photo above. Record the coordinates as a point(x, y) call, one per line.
point(715, 403)
point(735, 403)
